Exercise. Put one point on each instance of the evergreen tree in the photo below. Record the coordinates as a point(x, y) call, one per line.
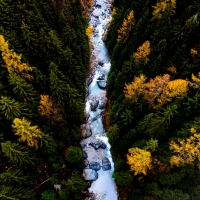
point(8, 192)
point(17, 153)
point(10, 108)
point(22, 89)
point(11, 177)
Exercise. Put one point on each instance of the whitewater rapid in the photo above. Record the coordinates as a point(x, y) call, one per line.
point(104, 187)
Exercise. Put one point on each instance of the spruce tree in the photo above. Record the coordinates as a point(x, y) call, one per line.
point(10, 108)
point(11, 177)
point(11, 193)
point(18, 154)
point(22, 89)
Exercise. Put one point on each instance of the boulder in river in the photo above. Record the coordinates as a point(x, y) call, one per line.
point(85, 154)
point(101, 84)
point(101, 105)
point(90, 175)
point(98, 6)
point(98, 145)
point(95, 166)
point(92, 144)
point(103, 146)
point(100, 63)
point(106, 165)
point(85, 162)
point(94, 104)
point(102, 77)
point(86, 130)
point(103, 16)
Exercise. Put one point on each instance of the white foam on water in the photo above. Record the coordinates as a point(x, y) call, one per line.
point(104, 187)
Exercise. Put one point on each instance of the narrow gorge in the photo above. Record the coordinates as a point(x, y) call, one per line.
point(96, 148)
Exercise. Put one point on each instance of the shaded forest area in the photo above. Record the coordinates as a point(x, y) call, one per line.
point(44, 58)
point(154, 107)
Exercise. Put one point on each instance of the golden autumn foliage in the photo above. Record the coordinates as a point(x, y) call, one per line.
point(139, 160)
point(154, 88)
point(162, 6)
point(89, 31)
point(187, 150)
point(135, 88)
point(50, 110)
point(172, 69)
point(143, 51)
point(13, 60)
point(26, 132)
point(193, 52)
point(196, 81)
point(127, 25)
point(172, 89)
point(158, 91)
point(3, 44)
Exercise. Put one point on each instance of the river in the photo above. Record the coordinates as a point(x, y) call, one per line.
point(95, 144)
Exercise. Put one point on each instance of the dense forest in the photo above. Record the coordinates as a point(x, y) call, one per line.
point(44, 59)
point(154, 101)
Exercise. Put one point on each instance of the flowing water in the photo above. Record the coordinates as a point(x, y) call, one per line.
point(104, 187)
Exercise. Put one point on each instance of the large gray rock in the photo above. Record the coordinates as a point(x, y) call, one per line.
point(101, 84)
point(86, 130)
point(85, 154)
point(106, 165)
point(90, 175)
point(95, 166)
point(101, 105)
point(102, 77)
point(94, 104)
point(98, 145)
point(101, 63)
point(85, 162)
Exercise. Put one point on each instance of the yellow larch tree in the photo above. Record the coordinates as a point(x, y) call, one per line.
point(49, 109)
point(142, 52)
point(154, 88)
point(193, 52)
point(162, 6)
point(26, 132)
point(89, 31)
point(187, 150)
point(172, 89)
point(196, 81)
point(13, 60)
point(127, 25)
point(135, 88)
point(139, 160)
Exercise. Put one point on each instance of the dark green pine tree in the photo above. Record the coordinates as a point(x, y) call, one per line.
point(10, 108)
point(29, 36)
point(157, 123)
point(66, 96)
point(58, 85)
point(11, 177)
point(11, 193)
point(22, 89)
point(18, 154)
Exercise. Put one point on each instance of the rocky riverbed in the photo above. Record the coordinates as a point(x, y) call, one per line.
point(96, 149)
